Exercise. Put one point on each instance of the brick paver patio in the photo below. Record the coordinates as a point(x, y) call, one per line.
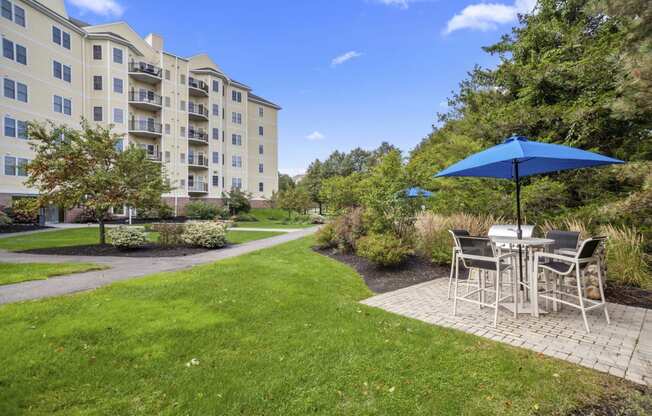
point(623, 348)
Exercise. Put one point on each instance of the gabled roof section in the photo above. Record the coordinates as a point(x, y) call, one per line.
point(204, 62)
point(260, 100)
point(122, 31)
point(240, 85)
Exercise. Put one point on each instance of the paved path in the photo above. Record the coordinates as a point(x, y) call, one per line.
point(623, 348)
point(122, 268)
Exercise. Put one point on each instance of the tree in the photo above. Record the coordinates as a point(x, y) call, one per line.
point(285, 182)
point(237, 201)
point(312, 182)
point(83, 168)
point(341, 192)
point(294, 200)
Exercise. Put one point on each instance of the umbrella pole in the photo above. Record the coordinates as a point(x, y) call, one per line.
point(519, 232)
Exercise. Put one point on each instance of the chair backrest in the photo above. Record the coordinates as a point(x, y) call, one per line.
point(588, 247)
point(458, 233)
point(476, 246)
point(563, 239)
point(509, 230)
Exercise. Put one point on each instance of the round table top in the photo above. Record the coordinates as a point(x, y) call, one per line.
point(530, 241)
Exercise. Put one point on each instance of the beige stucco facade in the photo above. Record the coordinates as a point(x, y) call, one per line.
point(210, 132)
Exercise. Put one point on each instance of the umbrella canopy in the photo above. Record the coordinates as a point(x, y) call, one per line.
point(416, 192)
point(518, 155)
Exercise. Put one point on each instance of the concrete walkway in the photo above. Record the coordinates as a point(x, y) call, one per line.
point(623, 348)
point(122, 268)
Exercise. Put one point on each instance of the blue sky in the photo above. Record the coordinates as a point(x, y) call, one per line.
point(347, 73)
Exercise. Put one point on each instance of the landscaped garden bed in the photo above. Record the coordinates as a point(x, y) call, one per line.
point(147, 250)
point(19, 228)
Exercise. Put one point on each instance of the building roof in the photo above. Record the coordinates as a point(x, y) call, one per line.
point(261, 100)
point(240, 84)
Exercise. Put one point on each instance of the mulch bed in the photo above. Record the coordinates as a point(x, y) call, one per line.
point(630, 296)
point(149, 250)
point(380, 279)
point(17, 228)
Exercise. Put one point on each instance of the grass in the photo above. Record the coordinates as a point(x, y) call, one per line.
point(89, 235)
point(275, 332)
point(22, 272)
point(269, 218)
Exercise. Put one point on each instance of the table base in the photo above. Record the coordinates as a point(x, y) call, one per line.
point(522, 308)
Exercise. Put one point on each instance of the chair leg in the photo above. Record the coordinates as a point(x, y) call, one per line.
point(581, 297)
point(498, 285)
point(457, 278)
point(514, 291)
point(450, 278)
point(600, 285)
point(555, 288)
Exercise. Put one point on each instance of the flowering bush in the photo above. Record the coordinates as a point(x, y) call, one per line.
point(127, 237)
point(317, 219)
point(5, 219)
point(204, 234)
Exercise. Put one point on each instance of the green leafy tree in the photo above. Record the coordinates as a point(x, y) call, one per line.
point(341, 192)
point(83, 168)
point(312, 183)
point(285, 182)
point(237, 201)
point(294, 200)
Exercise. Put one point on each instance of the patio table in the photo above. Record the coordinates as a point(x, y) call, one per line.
point(529, 245)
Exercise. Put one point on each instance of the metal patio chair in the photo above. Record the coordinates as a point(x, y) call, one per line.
point(456, 247)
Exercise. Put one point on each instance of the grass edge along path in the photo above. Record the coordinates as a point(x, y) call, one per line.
point(22, 272)
point(276, 331)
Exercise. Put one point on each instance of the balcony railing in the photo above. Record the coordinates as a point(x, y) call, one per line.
point(197, 110)
point(198, 85)
point(155, 156)
point(197, 187)
point(146, 97)
point(198, 160)
point(198, 135)
point(145, 68)
point(145, 125)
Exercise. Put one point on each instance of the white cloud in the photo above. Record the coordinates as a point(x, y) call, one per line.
point(487, 16)
point(315, 135)
point(338, 60)
point(293, 171)
point(100, 7)
point(403, 4)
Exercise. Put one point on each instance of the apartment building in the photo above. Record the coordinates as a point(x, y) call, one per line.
point(209, 131)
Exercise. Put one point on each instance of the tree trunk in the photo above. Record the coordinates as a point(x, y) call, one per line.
point(320, 211)
point(102, 233)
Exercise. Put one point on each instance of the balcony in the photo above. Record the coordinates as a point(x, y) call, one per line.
point(197, 187)
point(145, 100)
point(197, 112)
point(197, 161)
point(197, 136)
point(197, 87)
point(145, 128)
point(154, 156)
point(145, 72)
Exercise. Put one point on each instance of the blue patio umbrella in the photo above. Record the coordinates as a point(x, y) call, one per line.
point(517, 157)
point(416, 192)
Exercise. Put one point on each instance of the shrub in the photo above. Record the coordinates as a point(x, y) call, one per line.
point(383, 249)
point(237, 201)
point(169, 234)
point(201, 210)
point(24, 211)
point(349, 227)
point(127, 237)
point(204, 234)
point(5, 219)
point(625, 257)
point(317, 219)
point(246, 217)
point(162, 212)
point(326, 237)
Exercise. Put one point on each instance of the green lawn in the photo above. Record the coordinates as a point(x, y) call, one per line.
point(275, 332)
point(22, 272)
point(269, 218)
point(268, 224)
point(83, 236)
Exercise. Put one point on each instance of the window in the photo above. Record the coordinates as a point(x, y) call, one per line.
point(10, 127)
point(216, 180)
point(236, 140)
point(261, 168)
point(167, 74)
point(7, 12)
point(261, 112)
point(21, 167)
point(10, 88)
point(222, 163)
point(216, 85)
point(261, 149)
point(7, 49)
point(58, 104)
point(97, 113)
point(21, 92)
point(182, 79)
point(56, 35)
point(167, 156)
point(236, 161)
point(67, 73)
point(97, 82)
point(182, 131)
point(67, 106)
point(10, 166)
point(97, 52)
point(117, 55)
point(260, 130)
point(57, 70)
point(236, 183)
point(119, 145)
point(216, 158)
point(118, 85)
point(183, 105)
point(66, 40)
point(22, 129)
point(216, 133)
point(182, 157)
point(118, 116)
point(236, 96)
point(19, 16)
point(236, 118)
point(167, 102)
point(261, 187)
point(216, 110)
point(21, 54)
point(167, 128)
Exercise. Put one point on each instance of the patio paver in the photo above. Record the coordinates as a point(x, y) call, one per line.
point(623, 348)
